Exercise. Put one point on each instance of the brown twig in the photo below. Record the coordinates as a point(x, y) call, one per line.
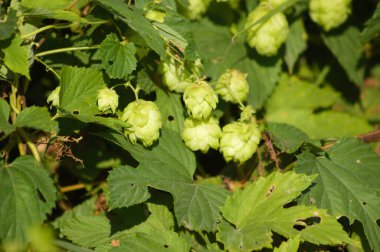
point(272, 152)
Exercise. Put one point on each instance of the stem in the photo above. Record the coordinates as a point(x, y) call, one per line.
point(67, 49)
point(71, 188)
point(30, 144)
point(135, 90)
point(44, 28)
point(48, 67)
point(13, 101)
point(322, 76)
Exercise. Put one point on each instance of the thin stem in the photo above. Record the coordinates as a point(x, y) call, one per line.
point(71, 188)
point(48, 67)
point(44, 28)
point(68, 49)
point(135, 90)
point(13, 101)
point(322, 76)
point(30, 144)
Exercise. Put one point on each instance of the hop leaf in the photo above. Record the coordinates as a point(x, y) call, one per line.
point(145, 120)
point(200, 100)
point(329, 14)
point(107, 100)
point(239, 141)
point(267, 37)
point(175, 76)
point(232, 86)
point(201, 134)
point(54, 97)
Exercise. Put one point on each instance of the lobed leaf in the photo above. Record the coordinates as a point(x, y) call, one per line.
point(253, 213)
point(347, 184)
point(27, 194)
point(79, 88)
point(137, 22)
point(168, 166)
point(118, 58)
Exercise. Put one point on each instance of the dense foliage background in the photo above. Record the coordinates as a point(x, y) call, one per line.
point(72, 177)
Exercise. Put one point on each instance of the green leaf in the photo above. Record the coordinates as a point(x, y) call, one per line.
point(9, 26)
point(221, 53)
point(372, 26)
point(321, 125)
point(303, 95)
point(54, 9)
point(36, 118)
point(347, 184)
point(16, 56)
point(109, 122)
point(172, 110)
point(79, 88)
point(137, 22)
point(296, 43)
point(27, 195)
point(299, 110)
point(145, 82)
point(5, 111)
point(348, 50)
point(118, 58)
point(177, 30)
point(290, 246)
point(168, 166)
point(287, 137)
point(263, 74)
point(155, 240)
point(87, 231)
point(253, 213)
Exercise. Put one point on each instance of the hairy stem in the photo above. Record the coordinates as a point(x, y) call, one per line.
point(67, 49)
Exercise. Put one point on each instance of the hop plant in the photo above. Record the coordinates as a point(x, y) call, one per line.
point(145, 120)
point(54, 97)
point(329, 14)
point(232, 86)
point(107, 100)
point(175, 76)
point(239, 141)
point(201, 134)
point(267, 37)
point(196, 8)
point(200, 100)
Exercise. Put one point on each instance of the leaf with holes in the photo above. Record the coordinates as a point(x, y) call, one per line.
point(79, 87)
point(27, 195)
point(250, 215)
point(347, 184)
point(118, 58)
point(172, 111)
point(168, 166)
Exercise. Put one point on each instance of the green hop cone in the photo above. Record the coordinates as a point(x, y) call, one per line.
point(239, 141)
point(145, 120)
point(107, 100)
point(201, 134)
point(200, 100)
point(195, 9)
point(175, 76)
point(267, 37)
point(329, 14)
point(54, 97)
point(232, 86)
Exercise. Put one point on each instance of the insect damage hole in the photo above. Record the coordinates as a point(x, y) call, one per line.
point(301, 224)
point(170, 118)
point(271, 189)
